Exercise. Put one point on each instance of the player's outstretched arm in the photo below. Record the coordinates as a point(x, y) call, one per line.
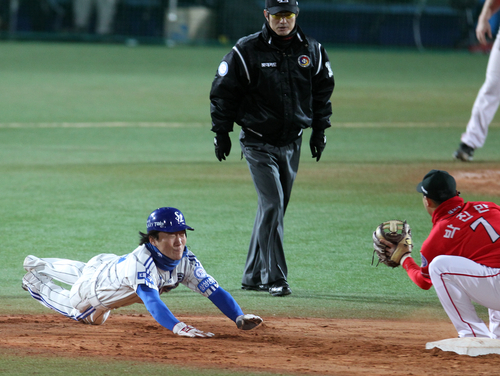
point(190, 331)
point(228, 306)
point(161, 313)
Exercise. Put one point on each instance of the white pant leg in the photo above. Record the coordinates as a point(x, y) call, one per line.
point(96, 317)
point(494, 323)
point(63, 270)
point(82, 10)
point(81, 291)
point(105, 16)
point(51, 295)
point(458, 281)
point(486, 103)
point(39, 283)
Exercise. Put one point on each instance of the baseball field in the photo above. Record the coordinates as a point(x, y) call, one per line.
point(95, 137)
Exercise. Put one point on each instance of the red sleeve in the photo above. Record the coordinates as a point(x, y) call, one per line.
point(415, 274)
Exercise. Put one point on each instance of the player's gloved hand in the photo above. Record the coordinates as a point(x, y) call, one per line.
point(222, 143)
point(247, 322)
point(317, 143)
point(190, 331)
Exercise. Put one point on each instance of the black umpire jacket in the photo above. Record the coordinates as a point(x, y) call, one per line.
point(273, 94)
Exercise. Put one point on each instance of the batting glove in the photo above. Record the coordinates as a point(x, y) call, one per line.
point(247, 322)
point(222, 143)
point(317, 143)
point(190, 331)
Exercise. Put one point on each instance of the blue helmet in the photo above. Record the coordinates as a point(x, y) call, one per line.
point(167, 220)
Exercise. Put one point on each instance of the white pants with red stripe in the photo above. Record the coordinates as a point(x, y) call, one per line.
point(458, 282)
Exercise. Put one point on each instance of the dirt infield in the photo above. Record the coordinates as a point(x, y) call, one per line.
point(478, 181)
point(307, 346)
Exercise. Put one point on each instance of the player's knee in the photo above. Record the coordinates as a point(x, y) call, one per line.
point(97, 318)
point(438, 266)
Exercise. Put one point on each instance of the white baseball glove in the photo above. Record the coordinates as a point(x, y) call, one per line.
point(190, 331)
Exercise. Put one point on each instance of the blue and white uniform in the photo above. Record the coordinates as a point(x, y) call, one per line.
point(109, 281)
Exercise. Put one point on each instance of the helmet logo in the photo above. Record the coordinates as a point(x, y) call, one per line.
point(179, 217)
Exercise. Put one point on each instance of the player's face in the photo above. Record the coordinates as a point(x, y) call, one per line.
point(171, 244)
point(281, 23)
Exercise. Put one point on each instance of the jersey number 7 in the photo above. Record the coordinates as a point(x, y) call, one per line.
point(488, 227)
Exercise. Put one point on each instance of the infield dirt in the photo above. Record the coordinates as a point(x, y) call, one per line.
point(302, 346)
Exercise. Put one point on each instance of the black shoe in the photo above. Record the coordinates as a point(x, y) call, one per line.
point(464, 153)
point(280, 288)
point(255, 288)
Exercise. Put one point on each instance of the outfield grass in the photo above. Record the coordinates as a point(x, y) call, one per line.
point(94, 137)
point(101, 83)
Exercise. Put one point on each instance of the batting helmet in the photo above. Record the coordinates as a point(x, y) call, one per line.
point(167, 220)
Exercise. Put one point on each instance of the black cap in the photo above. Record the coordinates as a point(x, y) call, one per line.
point(276, 6)
point(438, 185)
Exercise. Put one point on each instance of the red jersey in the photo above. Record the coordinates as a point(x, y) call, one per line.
point(470, 230)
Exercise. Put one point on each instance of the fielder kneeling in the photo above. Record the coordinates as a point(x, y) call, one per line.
point(108, 281)
point(461, 256)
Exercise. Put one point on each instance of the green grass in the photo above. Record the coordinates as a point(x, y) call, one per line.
point(101, 83)
point(16, 365)
point(75, 183)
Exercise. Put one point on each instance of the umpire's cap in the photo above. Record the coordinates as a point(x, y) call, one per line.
point(438, 185)
point(167, 220)
point(276, 6)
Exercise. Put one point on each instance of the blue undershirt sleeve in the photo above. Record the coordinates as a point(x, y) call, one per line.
point(155, 306)
point(226, 303)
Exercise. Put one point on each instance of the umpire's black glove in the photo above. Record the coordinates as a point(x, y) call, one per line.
point(222, 144)
point(317, 143)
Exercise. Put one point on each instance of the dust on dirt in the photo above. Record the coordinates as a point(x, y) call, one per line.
point(485, 182)
point(305, 346)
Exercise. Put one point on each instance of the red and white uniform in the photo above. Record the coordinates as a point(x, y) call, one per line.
point(461, 259)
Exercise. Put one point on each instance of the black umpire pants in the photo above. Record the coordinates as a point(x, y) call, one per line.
point(273, 170)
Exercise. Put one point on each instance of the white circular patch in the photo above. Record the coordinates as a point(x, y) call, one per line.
point(304, 61)
point(223, 69)
point(200, 273)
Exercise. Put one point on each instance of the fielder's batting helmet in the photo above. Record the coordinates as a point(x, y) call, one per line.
point(167, 220)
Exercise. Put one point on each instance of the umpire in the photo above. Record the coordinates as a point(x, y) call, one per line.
point(274, 84)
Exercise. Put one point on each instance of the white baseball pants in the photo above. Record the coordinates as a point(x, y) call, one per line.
point(39, 282)
point(486, 103)
point(458, 282)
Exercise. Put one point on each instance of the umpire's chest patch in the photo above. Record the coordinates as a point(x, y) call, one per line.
point(304, 61)
point(269, 65)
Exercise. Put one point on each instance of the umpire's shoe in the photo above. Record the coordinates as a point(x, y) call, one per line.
point(260, 287)
point(464, 153)
point(280, 288)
